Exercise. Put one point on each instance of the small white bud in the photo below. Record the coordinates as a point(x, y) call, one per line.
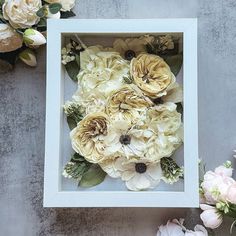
point(28, 57)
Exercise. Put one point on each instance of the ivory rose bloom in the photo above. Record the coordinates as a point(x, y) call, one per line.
point(9, 39)
point(21, 13)
point(88, 137)
point(67, 5)
point(92, 102)
point(152, 75)
point(103, 70)
point(127, 103)
point(231, 194)
point(210, 216)
point(165, 123)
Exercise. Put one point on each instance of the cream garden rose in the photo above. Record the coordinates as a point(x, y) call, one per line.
point(152, 75)
point(21, 13)
point(67, 5)
point(9, 39)
point(127, 103)
point(88, 137)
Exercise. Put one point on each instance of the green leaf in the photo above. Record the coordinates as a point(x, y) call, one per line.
point(94, 176)
point(42, 23)
point(67, 14)
point(41, 12)
point(77, 58)
point(54, 8)
point(71, 122)
point(78, 158)
point(175, 62)
point(72, 69)
point(179, 107)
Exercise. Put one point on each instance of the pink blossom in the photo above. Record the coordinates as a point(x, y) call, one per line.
point(170, 229)
point(215, 187)
point(231, 193)
point(210, 216)
point(224, 171)
point(199, 230)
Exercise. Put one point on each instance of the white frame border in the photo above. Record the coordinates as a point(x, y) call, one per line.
point(53, 196)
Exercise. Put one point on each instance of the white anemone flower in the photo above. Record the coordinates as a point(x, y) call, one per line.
point(138, 174)
point(125, 139)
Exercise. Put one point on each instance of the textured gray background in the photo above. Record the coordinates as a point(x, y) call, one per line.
point(22, 120)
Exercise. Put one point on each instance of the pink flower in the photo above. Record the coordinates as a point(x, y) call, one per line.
point(231, 193)
point(225, 170)
point(199, 230)
point(210, 216)
point(170, 229)
point(215, 187)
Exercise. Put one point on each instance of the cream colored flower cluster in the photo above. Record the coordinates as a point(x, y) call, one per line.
point(128, 127)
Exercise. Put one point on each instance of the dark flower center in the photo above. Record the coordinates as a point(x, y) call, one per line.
point(125, 139)
point(158, 101)
point(146, 78)
point(140, 168)
point(129, 55)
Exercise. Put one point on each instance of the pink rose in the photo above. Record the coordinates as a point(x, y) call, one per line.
point(224, 171)
point(210, 216)
point(199, 230)
point(231, 194)
point(215, 187)
point(170, 229)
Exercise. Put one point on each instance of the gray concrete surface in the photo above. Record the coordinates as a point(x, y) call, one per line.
point(22, 112)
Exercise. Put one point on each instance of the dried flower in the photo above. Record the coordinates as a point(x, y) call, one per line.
point(138, 174)
point(152, 75)
point(171, 171)
point(88, 137)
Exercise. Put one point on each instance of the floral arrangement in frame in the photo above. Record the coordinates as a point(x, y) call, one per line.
point(122, 115)
point(23, 26)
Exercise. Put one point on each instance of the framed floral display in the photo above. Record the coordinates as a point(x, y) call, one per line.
point(121, 119)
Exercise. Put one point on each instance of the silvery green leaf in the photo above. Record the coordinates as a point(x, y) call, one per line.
point(175, 62)
point(41, 12)
point(72, 69)
point(67, 14)
point(54, 8)
point(94, 176)
point(71, 122)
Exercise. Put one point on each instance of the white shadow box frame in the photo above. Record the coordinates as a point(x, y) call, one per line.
point(60, 193)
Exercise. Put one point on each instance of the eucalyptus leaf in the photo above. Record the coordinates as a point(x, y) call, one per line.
point(41, 12)
point(175, 62)
point(54, 8)
point(67, 14)
point(72, 69)
point(94, 176)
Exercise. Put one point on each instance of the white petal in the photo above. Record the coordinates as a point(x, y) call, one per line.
point(154, 171)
